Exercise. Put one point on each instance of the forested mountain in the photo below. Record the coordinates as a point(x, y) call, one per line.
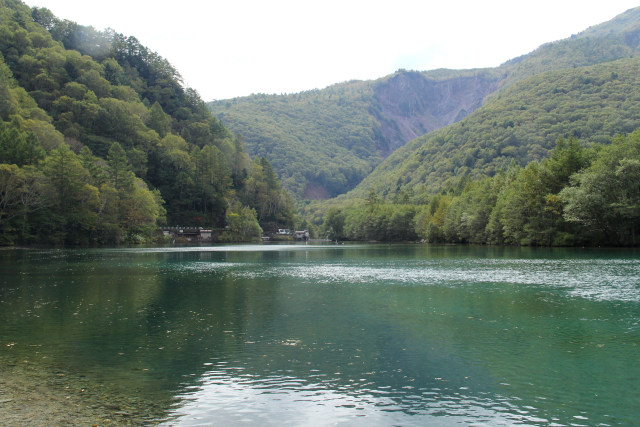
point(609, 41)
point(551, 158)
point(100, 142)
point(519, 124)
point(323, 142)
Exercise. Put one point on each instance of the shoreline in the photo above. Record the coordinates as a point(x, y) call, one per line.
point(38, 395)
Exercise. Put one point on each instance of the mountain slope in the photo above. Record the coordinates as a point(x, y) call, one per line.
point(97, 132)
point(520, 124)
point(410, 104)
point(318, 141)
point(584, 86)
point(324, 142)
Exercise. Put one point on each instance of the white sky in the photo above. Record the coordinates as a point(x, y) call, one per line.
point(230, 48)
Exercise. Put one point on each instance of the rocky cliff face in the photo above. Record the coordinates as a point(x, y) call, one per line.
point(411, 104)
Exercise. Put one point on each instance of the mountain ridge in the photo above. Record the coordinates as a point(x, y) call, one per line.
point(357, 122)
point(398, 108)
point(592, 103)
point(412, 105)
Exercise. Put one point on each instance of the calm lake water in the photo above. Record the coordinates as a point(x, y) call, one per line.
point(326, 335)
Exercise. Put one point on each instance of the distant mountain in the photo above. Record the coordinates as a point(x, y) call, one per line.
point(410, 104)
point(612, 40)
point(324, 142)
point(587, 86)
point(519, 124)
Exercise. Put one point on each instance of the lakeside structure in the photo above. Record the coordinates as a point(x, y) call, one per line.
point(189, 234)
point(208, 235)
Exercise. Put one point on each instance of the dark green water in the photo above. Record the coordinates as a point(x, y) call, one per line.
point(325, 335)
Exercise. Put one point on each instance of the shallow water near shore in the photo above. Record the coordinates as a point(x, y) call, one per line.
point(329, 334)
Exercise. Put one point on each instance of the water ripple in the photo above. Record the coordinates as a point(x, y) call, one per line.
point(606, 280)
point(223, 397)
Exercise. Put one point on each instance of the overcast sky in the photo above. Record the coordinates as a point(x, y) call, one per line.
point(230, 48)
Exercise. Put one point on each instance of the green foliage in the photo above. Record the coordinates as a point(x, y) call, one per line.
point(19, 196)
point(19, 147)
point(159, 121)
point(518, 207)
point(72, 202)
point(262, 191)
point(367, 221)
point(605, 197)
point(578, 196)
point(520, 124)
point(334, 224)
point(97, 132)
point(324, 142)
point(495, 176)
point(242, 224)
point(320, 142)
point(386, 222)
point(120, 175)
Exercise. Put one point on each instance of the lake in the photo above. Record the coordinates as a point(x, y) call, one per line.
point(332, 334)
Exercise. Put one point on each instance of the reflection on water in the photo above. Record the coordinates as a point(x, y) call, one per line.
point(226, 396)
point(325, 335)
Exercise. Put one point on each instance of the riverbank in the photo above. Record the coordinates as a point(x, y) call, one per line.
point(38, 396)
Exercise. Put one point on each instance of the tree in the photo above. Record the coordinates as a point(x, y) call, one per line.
point(400, 226)
point(12, 186)
point(109, 230)
point(120, 173)
point(213, 182)
point(139, 211)
point(239, 163)
point(159, 120)
point(605, 197)
point(372, 199)
point(334, 221)
point(19, 147)
point(567, 158)
point(242, 223)
point(263, 192)
point(72, 201)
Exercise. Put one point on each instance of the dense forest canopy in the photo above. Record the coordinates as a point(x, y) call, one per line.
point(100, 142)
point(576, 196)
point(317, 161)
point(322, 143)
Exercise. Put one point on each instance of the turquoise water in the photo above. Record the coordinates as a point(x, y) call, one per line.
point(326, 335)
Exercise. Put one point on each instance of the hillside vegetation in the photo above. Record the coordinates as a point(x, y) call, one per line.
point(576, 196)
point(549, 159)
point(518, 125)
point(320, 142)
point(100, 142)
point(324, 142)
